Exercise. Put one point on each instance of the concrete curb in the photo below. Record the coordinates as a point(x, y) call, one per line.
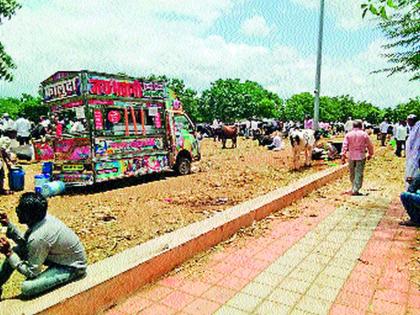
point(116, 277)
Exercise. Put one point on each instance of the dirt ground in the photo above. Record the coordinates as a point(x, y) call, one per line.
point(112, 217)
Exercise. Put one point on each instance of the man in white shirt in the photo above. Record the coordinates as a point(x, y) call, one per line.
point(8, 126)
point(401, 134)
point(383, 129)
point(348, 126)
point(254, 127)
point(23, 129)
point(276, 145)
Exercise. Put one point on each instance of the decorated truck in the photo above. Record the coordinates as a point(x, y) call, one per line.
point(111, 126)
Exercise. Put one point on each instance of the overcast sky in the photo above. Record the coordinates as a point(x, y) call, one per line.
point(272, 42)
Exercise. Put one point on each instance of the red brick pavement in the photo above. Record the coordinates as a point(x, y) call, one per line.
point(380, 282)
point(227, 272)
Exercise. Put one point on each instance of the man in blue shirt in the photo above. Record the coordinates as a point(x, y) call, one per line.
point(48, 241)
point(411, 201)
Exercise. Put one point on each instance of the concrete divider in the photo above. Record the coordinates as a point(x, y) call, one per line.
point(114, 278)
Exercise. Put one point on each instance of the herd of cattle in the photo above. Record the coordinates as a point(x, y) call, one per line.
point(301, 140)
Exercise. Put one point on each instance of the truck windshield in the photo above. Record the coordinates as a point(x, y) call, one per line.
point(183, 123)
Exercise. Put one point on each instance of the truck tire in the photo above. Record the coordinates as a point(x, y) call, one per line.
point(183, 166)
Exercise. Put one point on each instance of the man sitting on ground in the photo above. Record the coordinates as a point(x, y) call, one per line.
point(411, 201)
point(48, 241)
point(276, 145)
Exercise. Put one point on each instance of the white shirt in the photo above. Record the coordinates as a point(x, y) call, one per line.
point(8, 124)
point(77, 127)
point(254, 125)
point(23, 127)
point(383, 127)
point(277, 142)
point(348, 126)
point(45, 123)
point(401, 133)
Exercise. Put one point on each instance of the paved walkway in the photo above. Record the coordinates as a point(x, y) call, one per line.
point(341, 261)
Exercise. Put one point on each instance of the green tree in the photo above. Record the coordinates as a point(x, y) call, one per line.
point(230, 100)
point(401, 111)
point(298, 106)
point(400, 22)
point(27, 105)
point(7, 10)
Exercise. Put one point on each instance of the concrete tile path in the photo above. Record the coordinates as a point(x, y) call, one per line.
point(342, 261)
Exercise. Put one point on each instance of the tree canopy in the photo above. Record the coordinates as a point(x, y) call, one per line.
point(400, 22)
point(232, 100)
point(7, 10)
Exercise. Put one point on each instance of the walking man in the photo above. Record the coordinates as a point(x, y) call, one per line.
point(23, 129)
point(356, 142)
point(400, 137)
point(383, 129)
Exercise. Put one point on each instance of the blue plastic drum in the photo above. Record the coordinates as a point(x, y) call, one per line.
point(47, 168)
point(16, 179)
point(40, 180)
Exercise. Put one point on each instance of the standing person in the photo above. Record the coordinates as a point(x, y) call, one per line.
point(5, 159)
point(348, 126)
point(411, 121)
point(400, 137)
point(308, 123)
point(8, 126)
point(48, 241)
point(247, 128)
point(412, 152)
point(356, 142)
point(383, 129)
point(23, 129)
point(254, 127)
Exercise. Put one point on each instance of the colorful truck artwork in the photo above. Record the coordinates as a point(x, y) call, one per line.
point(111, 126)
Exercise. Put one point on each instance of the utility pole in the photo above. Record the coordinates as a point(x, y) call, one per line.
point(318, 68)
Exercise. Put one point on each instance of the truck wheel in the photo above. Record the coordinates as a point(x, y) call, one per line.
point(183, 167)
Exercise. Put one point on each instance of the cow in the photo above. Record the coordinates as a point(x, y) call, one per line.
point(262, 139)
point(229, 132)
point(303, 140)
point(205, 130)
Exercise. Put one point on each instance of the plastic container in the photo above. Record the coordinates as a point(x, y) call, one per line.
point(53, 188)
point(16, 178)
point(40, 180)
point(47, 168)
